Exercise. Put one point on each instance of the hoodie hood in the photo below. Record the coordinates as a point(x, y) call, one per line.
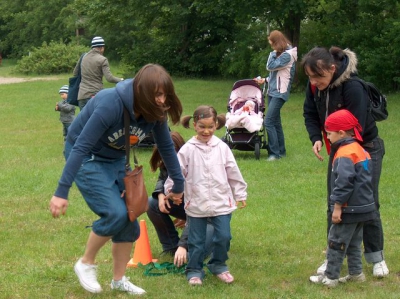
point(125, 92)
point(347, 69)
point(212, 142)
point(292, 52)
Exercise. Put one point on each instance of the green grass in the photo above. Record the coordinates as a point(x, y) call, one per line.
point(278, 239)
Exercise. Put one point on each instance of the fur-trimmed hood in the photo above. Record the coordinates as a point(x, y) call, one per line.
point(346, 69)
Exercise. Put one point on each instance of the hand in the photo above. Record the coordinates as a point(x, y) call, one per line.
point(317, 148)
point(243, 204)
point(58, 206)
point(179, 223)
point(336, 216)
point(175, 197)
point(180, 256)
point(259, 80)
point(163, 204)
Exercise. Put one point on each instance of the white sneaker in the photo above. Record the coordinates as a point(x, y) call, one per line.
point(356, 278)
point(321, 270)
point(126, 286)
point(87, 276)
point(380, 269)
point(322, 279)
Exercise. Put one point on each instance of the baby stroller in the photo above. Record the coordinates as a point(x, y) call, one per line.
point(237, 135)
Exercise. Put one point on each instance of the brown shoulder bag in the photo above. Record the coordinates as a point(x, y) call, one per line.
point(135, 190)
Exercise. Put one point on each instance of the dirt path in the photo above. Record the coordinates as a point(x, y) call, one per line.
point(10, 80)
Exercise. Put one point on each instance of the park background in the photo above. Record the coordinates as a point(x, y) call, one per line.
point(278, 240)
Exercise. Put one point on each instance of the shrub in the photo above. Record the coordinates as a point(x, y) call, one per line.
point(52, 58)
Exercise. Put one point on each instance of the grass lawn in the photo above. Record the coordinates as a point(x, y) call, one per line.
point(278, 239)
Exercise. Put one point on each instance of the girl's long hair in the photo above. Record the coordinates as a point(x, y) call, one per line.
point(156, 160)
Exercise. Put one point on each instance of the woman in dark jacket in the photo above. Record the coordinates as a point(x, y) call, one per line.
point(332, 86)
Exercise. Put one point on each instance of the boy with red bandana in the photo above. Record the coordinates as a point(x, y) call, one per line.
point(351, 201)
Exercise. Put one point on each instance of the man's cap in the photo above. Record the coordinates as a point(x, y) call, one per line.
point(97, 41)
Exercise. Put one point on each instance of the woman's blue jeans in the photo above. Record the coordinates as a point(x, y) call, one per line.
point(273, 125)
point(100, 182)
point(197, 245)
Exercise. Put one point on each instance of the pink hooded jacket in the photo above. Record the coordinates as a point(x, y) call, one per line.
point(213, 181)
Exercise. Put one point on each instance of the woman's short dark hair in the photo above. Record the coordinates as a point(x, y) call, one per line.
point(319, 59)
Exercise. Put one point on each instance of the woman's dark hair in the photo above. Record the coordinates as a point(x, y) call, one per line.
point(147, 83)
point(319, 60)
point(156, 160)
point(204, 111)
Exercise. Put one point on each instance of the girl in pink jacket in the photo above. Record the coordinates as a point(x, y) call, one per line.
point(213, 186)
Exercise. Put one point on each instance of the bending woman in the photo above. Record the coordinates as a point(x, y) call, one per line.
point(95, 154)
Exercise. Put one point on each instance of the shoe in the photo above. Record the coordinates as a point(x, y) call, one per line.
point(355, 277)
point(125, 285)
point(272, 158)
point(380, 269)
point(195, 281)
point(322, 279)
point(226, 277)
point(321, 270)
point(87, 276)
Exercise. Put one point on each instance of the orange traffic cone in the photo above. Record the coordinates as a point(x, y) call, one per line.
point(142, 253)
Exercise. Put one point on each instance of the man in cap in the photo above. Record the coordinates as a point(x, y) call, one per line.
point(94, 66)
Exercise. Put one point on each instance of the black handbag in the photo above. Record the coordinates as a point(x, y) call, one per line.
point(74, 82)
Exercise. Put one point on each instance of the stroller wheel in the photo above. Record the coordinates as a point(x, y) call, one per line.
point(257, 150)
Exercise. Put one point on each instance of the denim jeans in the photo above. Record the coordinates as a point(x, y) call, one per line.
point(373, 232)
point(344, 239)
point(82, 103)
point(197, 245)
point(65, 129)
point(273, 125)
point(163, 224)
point(100, 182)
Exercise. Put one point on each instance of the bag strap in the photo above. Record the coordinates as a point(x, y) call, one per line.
point(127, 141)
point(80, 63)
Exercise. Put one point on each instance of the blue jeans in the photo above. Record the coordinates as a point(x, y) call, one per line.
point(82, 103)
point(163, 224)
point(197, 245)
point(273, 125)
point(373, 232)
point(100, 182)
point(65, 129)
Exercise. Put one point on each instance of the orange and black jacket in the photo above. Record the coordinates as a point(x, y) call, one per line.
point(351, 181)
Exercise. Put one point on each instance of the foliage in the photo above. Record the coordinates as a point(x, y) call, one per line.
point(369, 28)
point(52, 58)
point(206, 38)
point(278, 239)
point(27, 23)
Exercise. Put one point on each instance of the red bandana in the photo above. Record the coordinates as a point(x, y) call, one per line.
point(343, 120)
